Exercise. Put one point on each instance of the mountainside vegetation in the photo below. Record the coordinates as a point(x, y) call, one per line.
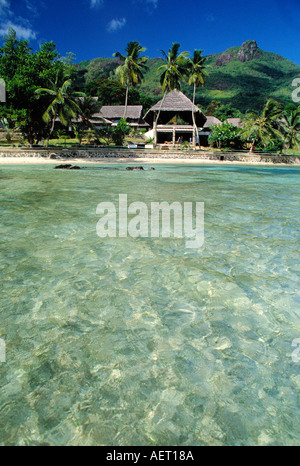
point(244, 77)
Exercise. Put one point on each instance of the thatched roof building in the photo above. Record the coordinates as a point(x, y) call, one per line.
point(212, 121)
point(175, 103)
point(133, 116)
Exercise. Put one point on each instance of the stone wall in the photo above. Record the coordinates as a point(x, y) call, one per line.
point(133, 154)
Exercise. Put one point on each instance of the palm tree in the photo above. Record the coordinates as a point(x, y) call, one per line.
point(132, 67)
point(173, 71)
point(291, 128)
point(197, 73)
point(88, 108)
point(60, 101)
point(265, 126)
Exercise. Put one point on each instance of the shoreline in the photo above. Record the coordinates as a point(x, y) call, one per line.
point(136, 161)
point(110, 155)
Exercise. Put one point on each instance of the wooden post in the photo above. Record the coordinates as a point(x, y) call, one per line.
point(174, 136)
point(155, 128)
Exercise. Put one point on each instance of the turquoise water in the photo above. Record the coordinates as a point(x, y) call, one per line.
point(141, 341)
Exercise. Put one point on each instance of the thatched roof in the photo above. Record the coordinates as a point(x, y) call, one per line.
point(111, 112)
point(235, 122)
point(212, 121)
point(175, 103)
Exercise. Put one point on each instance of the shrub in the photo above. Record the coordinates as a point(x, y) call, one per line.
point(226, 135)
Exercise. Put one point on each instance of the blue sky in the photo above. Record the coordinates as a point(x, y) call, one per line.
point(98, 28)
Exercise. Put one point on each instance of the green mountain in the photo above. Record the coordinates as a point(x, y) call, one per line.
point(243, 76)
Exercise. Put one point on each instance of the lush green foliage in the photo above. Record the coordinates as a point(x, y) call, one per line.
point(265, 127)
point(246, 85)
point(225, 111)
point(111, 92)
point(226, 135)
point(59, 100)
point(196, 77)
point(131, 70)
point(85, 113)
point(25, 71)
point(291, 128)
point(42, 87)
point(114, 135)
point(174, 70)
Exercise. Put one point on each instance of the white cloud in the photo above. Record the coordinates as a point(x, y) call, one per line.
point(22, 32)
point(4, 6)
point(116, 24)
point(21, 25)
point(96, 3)
point(32, 7)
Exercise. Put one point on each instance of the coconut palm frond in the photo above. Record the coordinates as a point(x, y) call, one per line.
point(61, 100)
point(131, 71)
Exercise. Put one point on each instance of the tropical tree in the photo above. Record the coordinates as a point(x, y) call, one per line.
point(262, 128)
point(226, 135)
point(60, 101)
point(173, 72)
point(291, 128)
point(132, 67)
point(196, 72)
point(212, 107)
point(226, 111)
point(24, 71)
point(88, 108)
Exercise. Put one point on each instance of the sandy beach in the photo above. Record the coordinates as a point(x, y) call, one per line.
point(137, 161)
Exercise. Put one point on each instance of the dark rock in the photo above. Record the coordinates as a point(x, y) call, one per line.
point(248, 51)
point(224, 58)
point(67, 166)
point(135, 168)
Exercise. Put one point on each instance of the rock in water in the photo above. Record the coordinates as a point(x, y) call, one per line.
point(135, 168)
point(67, 166)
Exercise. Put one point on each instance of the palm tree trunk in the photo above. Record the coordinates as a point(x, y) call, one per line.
point(253, 144)
point(157, 117)
point(53, 123)
point(193, 116)
point(52, 128)
point(126, 101)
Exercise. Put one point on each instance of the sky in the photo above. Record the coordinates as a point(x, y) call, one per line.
point(98, 28)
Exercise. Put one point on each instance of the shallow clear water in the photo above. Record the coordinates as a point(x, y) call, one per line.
point(141, 341)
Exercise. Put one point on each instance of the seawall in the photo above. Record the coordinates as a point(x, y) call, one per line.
point(135, 154)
